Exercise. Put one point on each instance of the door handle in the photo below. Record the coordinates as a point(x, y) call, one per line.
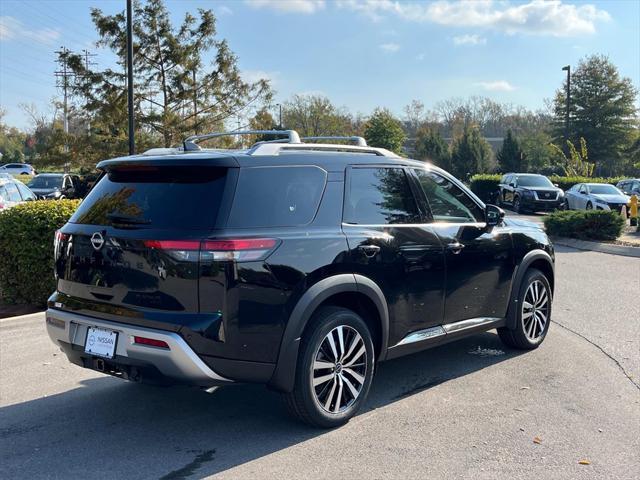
point(369, 251)
point(455, 247)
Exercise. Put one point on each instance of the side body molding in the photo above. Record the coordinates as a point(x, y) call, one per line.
point(518, 275)
point(284, 375)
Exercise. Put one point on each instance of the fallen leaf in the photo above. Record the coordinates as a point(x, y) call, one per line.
point(537, 440)
point(600, 430)
point(584, 462)
point(525, 388)
point(521, 429)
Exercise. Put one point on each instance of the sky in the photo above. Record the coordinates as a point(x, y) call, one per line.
point(360, 53)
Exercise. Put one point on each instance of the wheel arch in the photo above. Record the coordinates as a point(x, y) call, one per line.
point(355, 292)
point(539, 259)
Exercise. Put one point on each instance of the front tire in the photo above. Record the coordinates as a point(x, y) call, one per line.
point(517, 206)
point(589, 206)
point(534, 313)
point(334, 370)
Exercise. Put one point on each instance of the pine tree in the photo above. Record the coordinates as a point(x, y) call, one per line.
point(430, 146)
point(602, 111)
point(176, 92)
point(510, 157)
point(470, 153)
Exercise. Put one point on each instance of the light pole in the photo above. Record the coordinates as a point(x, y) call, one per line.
point(567, 68)
point(279, 105)
point(132, 141)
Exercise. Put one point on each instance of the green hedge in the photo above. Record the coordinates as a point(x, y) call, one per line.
point(26, 243)
point(585, 224)
point(485, 186)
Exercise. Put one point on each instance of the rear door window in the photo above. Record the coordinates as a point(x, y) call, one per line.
point(155, 197)
point(379, 196)
point(277, 196)
point(13, 193)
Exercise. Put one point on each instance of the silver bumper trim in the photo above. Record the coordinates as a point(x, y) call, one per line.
point(179, 362)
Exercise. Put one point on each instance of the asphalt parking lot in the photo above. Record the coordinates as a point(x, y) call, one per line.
point(471, 410)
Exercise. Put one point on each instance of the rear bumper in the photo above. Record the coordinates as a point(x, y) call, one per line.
point(177, 364)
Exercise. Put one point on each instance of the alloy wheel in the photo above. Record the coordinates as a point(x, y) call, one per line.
point(535, 310)
point(339, 369)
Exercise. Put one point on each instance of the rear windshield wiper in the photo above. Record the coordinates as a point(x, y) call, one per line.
point(127, 220)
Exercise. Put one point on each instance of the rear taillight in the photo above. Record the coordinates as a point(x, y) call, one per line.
point(236, 249)
point(239, 250)
point(58, 239)
point(151, 342)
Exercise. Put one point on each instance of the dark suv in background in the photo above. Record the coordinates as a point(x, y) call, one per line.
point(529, 192)
point(292, 264)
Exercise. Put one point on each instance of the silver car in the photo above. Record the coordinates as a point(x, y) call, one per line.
point(13, 192)
point(18, 169)
point(595, 196)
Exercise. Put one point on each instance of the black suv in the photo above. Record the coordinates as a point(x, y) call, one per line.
point(529, 192)
point(296, 265)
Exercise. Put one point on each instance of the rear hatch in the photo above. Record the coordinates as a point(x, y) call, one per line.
point(133, 245)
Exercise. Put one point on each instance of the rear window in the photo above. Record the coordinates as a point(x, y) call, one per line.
point(277, 196)
point(165, 198)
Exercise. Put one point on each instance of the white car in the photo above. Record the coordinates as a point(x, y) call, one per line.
point(13, 192)
point(18, 169)
point(595, 196)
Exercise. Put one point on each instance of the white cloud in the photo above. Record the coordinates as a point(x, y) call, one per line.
point(389, 47)
point(497, 86)
point(11, 28)
point(294, 6)
point(253, 76)
point(536, 17)
point(224, 10)
point(474, 39)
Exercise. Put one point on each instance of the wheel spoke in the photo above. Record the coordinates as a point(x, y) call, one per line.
point(355, 357)
point(336, 408)
point(531, 330)
point(527, 315)
point(340, 343)
point(320, 380)
point(327, 404)
point(332, 344)
point(527, 305)
point(320, 365)
point(543, 301)
point(359, 378)
point(352, 389)
point(354, 343)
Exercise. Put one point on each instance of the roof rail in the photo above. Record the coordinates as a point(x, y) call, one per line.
point(359, 141)
point(261, 149)
point(190, 144)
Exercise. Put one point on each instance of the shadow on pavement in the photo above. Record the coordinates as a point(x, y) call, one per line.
point(135, 431)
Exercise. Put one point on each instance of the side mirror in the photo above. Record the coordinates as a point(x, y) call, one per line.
point(556, 185)
point(493, 215)
point(512, 184)
point(583, 192)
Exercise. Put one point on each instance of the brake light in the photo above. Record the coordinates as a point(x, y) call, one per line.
point(173, 244)
point(237, 249)
point(151, 342)
point(58, 239)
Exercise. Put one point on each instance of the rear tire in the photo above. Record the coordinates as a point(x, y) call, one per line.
point(589, 206)
point(534, 313)
point(334, 370)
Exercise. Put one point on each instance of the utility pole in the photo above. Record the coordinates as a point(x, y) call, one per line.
point(567, 68)
point(62, 81)
point(87, 66)
point(132, 141)
point(280, 116)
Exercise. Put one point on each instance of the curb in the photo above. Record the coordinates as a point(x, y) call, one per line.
point(597, 247)
point(30, 316)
